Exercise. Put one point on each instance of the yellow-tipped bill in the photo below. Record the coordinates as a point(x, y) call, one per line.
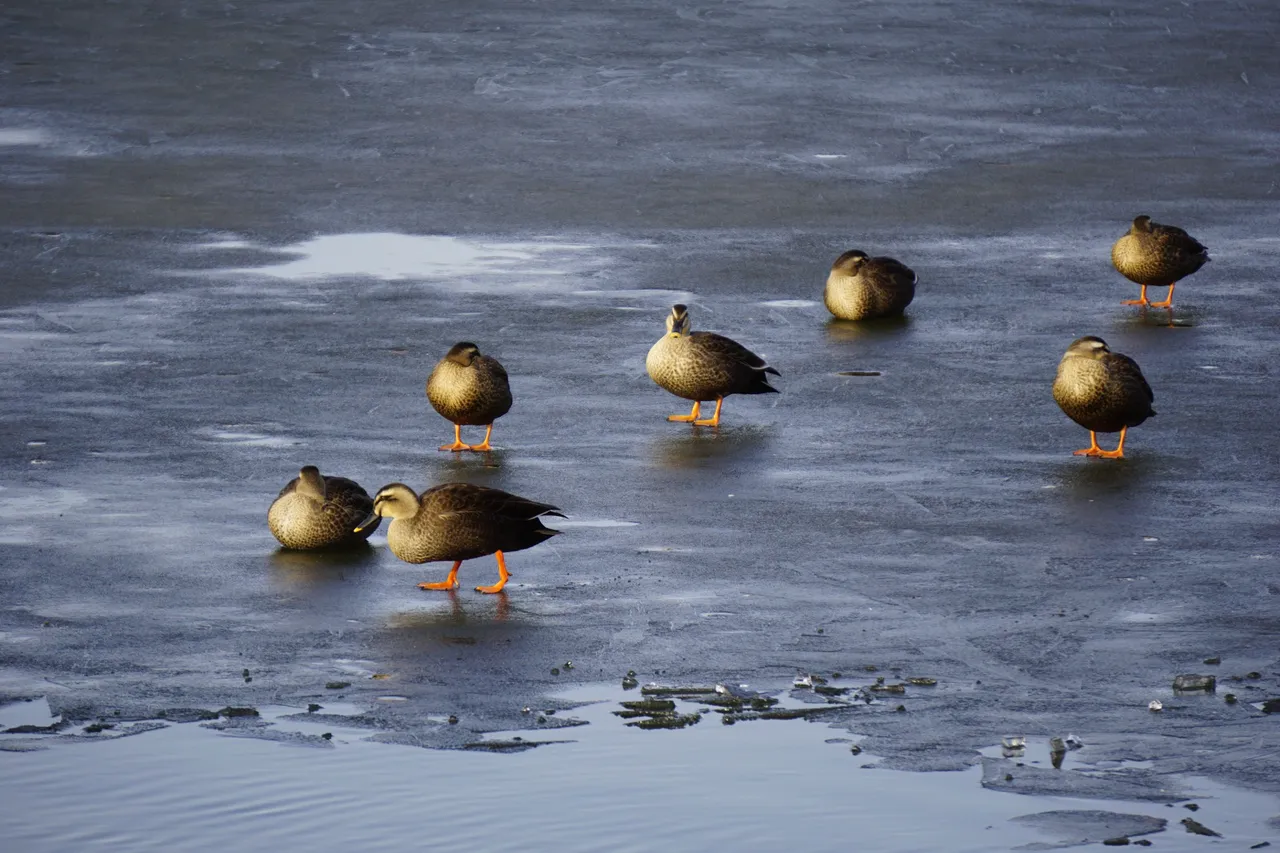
point(372, 519)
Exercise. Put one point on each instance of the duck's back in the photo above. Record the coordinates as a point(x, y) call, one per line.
point(461, 521)
point(475, 395)
point(299, 521)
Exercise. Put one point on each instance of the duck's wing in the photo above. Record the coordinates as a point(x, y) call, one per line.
point(1175, 238)
point(495, 367)
point(346, 492)
point(895, 270)
point(1127, 370)
point(465, 498)
point(730, 349)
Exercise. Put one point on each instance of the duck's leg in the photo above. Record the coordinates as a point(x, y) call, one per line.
point(684, 419)
point(1118, 453)
point(1168, 300)
point(484, 445)
point(503, 575)
point(1093, 449)
point(714, 420)
point(1142, 300)
point(457, 440)
point(450, 582)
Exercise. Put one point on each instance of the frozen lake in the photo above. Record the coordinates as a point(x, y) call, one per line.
point(236, 238)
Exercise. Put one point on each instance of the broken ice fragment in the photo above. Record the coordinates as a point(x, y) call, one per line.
point(1194, 684)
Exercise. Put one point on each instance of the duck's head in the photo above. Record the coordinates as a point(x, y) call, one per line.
point(394, 500)
point(678, 321)
point(1087, 347)
point(310, 483)
point(1142, 224)
point(849, 262)
point(463, 353)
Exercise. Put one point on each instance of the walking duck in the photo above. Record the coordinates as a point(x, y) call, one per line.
point(1155, 255)
point(469, 389)
point(863, 288)
point(1103, 391)
point(315, 511)
point(459, 521)
point(704, 366)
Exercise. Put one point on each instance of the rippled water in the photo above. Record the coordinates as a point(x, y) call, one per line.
point(753, 786)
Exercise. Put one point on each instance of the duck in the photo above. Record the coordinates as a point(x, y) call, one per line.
point(864, 288)
point(314, 511)
point(702, 366)
point(459, 521)
point(1103, 391)
point(469, 389)
point(1155, 255)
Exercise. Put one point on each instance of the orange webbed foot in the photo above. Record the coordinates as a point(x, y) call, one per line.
point(684, 419)
point(503, 575)
point(1110, 454)
point(1088, 451)
point(1168, 300)
point(450, 582)
point(457, 441)
point(484, 446)
point(1141, 300)
point(714, 420)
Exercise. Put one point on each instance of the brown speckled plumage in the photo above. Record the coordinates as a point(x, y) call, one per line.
point(863, 288)
point(314, 511)
point(1155, 255)
point(703, 365)
point(468, 388)
point(459, 521)
point(1101, 390)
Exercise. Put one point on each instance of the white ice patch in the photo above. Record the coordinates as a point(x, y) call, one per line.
point(24, 136)
point(790, 303)
point(395, 257)
point(250, 439)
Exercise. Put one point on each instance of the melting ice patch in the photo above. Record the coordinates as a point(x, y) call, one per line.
point(790, 303)
point(24, 136)
point(395, 257)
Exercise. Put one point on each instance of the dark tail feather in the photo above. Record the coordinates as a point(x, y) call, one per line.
point(760, 386)
point(771, 370)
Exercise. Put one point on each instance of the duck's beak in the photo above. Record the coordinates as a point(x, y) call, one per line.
point(371, 520)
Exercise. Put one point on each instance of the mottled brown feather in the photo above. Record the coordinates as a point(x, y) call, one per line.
point(707, 366)
point(461, 521)
point(1157, 255)
point(469, 389)
point(1100, 390)
point(300, 519)
point(863, 288)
